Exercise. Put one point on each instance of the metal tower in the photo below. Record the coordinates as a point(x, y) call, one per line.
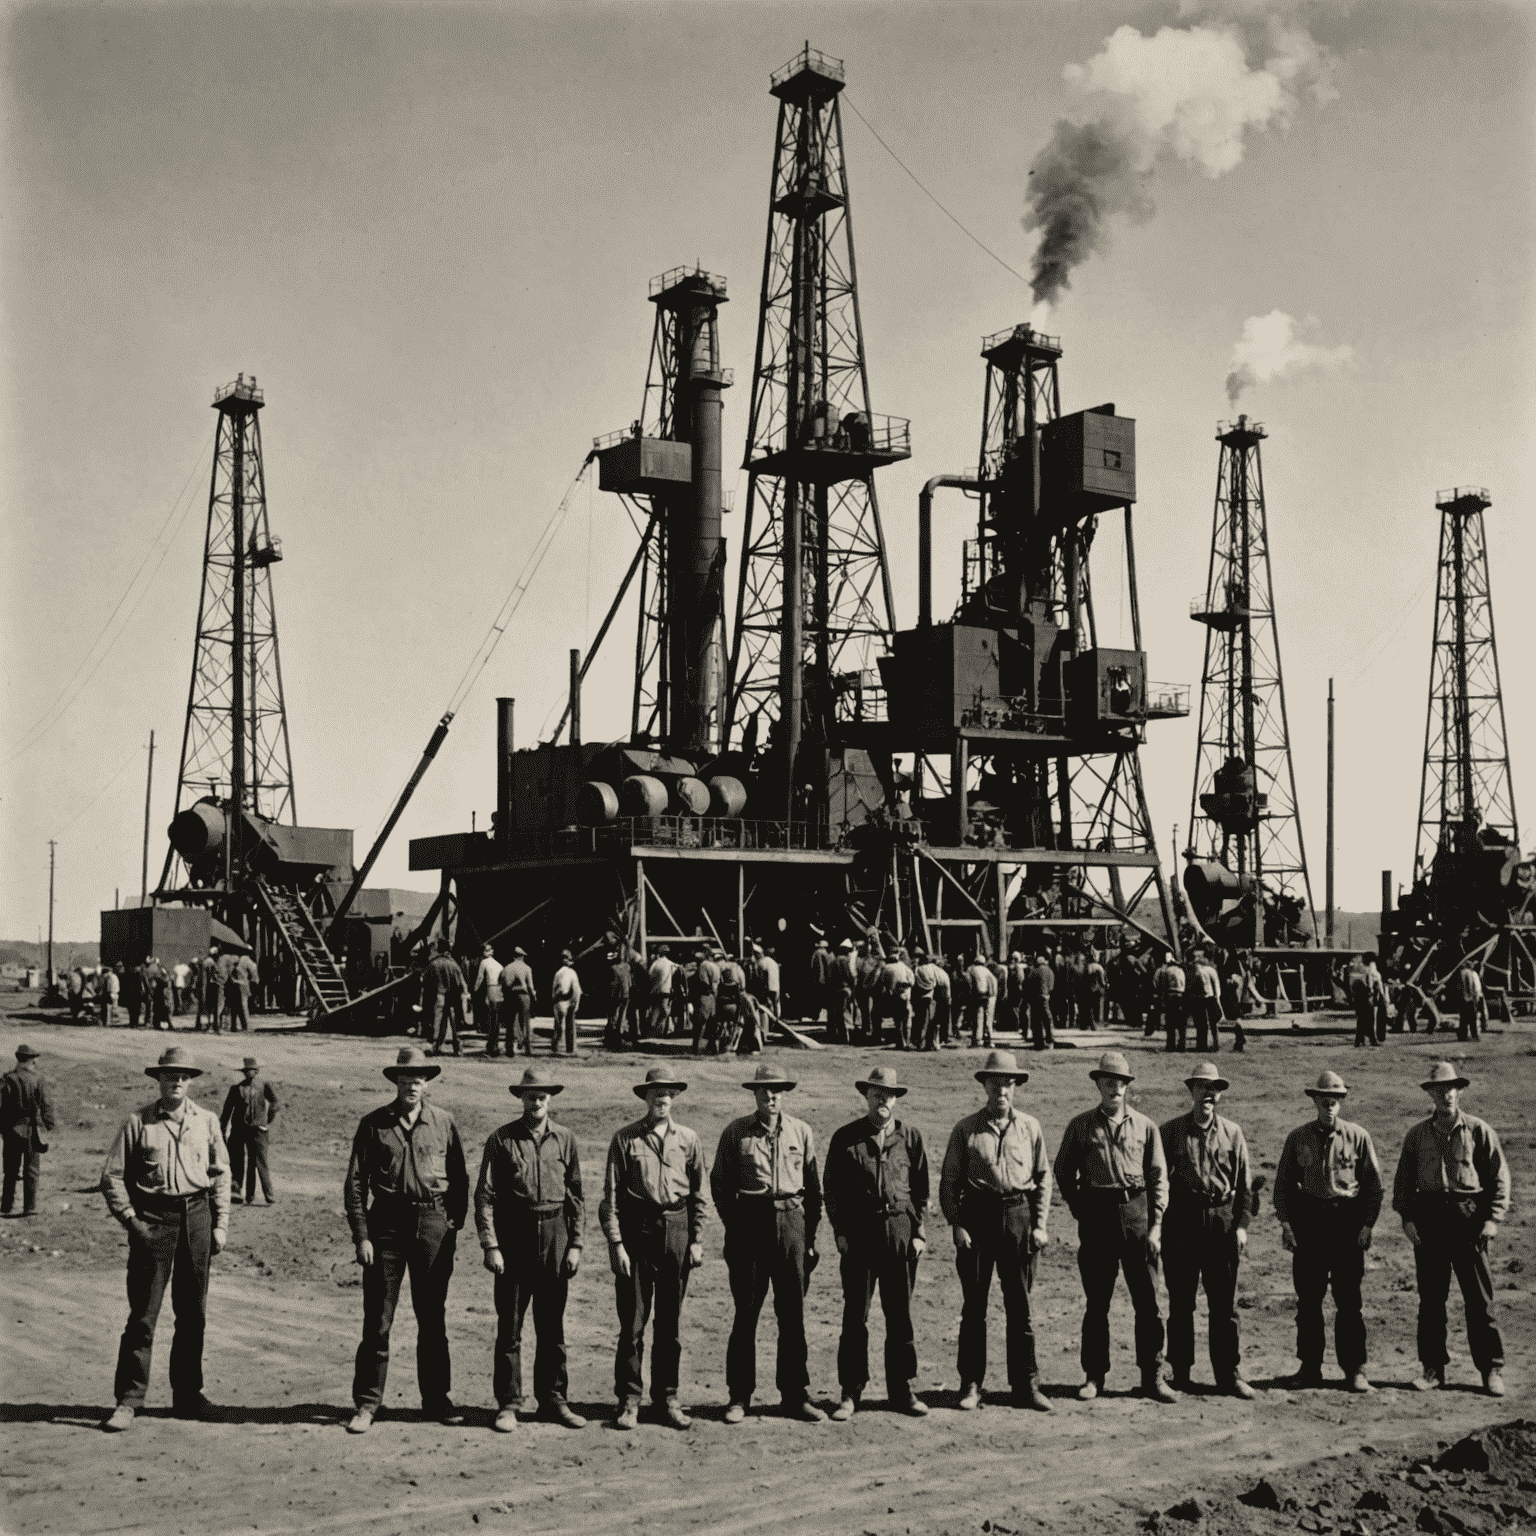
point(235, 743)
point(814, 603)
point(1245, 827)
point(1465, 791)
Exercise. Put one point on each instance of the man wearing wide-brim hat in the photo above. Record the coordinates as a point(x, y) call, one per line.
point(530, 1214)
point(1452, 1191)
point(766, 1185)
point(877, 1188)
point(250, 1107)
point(995, 1191)
point(1205, 1229)
point(1327, 1198)
point(1112, 1174)
point(166, 1179)
point(652, 1213)
point(407, 1194)
point(26, 1112)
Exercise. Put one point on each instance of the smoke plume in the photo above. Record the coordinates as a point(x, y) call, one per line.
point(1185, 94)
point(1270, 349)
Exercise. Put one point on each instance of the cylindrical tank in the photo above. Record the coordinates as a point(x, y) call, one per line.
point(690, 797)
point(641, 795)
point(1208, 884)
point(596, 803)
point(727, 796)
point(198, 830)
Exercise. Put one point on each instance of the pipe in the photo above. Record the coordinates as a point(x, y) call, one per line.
point(925, 543)
point(505, 709)
point(575, 698)
point(1328, 920)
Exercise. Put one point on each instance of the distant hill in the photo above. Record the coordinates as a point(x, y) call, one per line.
point(65, 952)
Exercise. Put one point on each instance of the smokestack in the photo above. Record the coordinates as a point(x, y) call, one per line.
point(575, 698)
point(504, 747)
point(1329, 919)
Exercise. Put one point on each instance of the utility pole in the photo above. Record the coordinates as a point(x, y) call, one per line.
point(52, 846)
point(149, 784)
point(1329, 916)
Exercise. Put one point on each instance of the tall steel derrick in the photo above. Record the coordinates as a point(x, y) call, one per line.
point(679, 686)
point(1473, 897)
point(235, 744)
point(814, 604)
point(1246, 871)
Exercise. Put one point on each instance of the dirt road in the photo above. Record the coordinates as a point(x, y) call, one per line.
point(285, 1310)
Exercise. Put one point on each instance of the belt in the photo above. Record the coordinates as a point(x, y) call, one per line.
point(1006, 1200)
point(767, 1197)
point(153, 1197)
point(640, 1206)
point(1114, 1193)
point(516, 1207)
point(391, 1197)
point(1199, 1197)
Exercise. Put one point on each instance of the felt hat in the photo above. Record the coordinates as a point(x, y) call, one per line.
point(1113, 1064)
point(412, 1059)
point(1206, 1073)
point(846, 944)
point(658, 1077)
point(24, 1052)
point(1441, 1075)
point(250, 1064)
point(174, 1058)
point(1329, 1086)
point(518, 952)
point(1002, 1064)
point(881, 1077)
point(537, 1080)
point(766, 1077)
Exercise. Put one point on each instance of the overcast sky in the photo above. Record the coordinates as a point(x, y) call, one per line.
point(428, 231)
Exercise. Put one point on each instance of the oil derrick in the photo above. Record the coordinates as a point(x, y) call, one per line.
point(1027, 727)
point(814, 602)
point(1246, 865)
point(1472, 896)
point(235, 846)
point(675, 494)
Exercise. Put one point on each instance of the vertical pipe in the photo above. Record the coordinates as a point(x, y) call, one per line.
point(792, 642)
point(52, 847)
point(237, 614)
point(925, 557)
point(575, 698)
point(1385, 943)
point(504, 718)
point(1328, 920)
point(959, 765)
point(149, 784)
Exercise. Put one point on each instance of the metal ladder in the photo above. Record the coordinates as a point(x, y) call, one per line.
point(322, 974)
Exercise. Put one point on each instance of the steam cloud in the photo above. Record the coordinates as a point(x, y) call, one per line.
point(1186, 94)
point(1269, 349)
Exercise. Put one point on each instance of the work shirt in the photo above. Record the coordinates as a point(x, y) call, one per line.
point(1168, 980)
point(821, 965)
point(1097, 978)
point(661, 976)
point(488, 979)
point(1329, 1165)
point(1209, 979)
point(422, 1164)
point(1207, 1165)
point(251, 1106)
point(867, 972)
point(620, 979)
point(869, 1176)
point(980, 982)
point(1004, 1157)
point(846, 971)
point(1041, 982)
point(524, 1167)
point(113, 984)
point(705, 981)
point(1099, 1153)
point(1465, 1160)
point(1471, 986)
point(661, 1167)
point(770, 972)
point(733, 982)
point(566, 987)
point(442, 977)
point(755, 1163)
point(246, 972)
point(929, 979)
point(516, 977)
point(160, 1154)
point(25, 1108)
point(897, 980)
point(181, 975)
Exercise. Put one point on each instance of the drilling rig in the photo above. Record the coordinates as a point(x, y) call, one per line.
point(1473, 898)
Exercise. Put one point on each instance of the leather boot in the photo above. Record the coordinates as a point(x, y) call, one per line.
point(1030, 1396)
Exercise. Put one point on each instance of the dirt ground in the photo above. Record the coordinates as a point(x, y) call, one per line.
point(285, 1311)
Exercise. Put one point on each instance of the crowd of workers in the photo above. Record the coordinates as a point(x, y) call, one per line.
point(215, 988)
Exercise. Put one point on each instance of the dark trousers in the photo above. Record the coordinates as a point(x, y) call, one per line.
point(925, 1022)
point(237, 1005)
point(661, 1015)
point(24, 1166)
point(1467, 1027)
point(999, 1240)
point(1448, 1232)
point(657, 1244)
point(444, 1013)
point(491, 1012)
point(1112, 1237)
point(901, 1021)
point(175, 1253)
point(1207, 1012)
point(564, 1025)
point(1200, 1248)
point(248, 1161)
point(765, 1246)
point(977, 1021)
point(1328, 1255)
point(1042, 1032)
point(704, 1020)
point(414, 1240)
point(1365, 1020)
point(614, 1033)
point(1175, 1022)
point(533, 1245)
point(879, 1257)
